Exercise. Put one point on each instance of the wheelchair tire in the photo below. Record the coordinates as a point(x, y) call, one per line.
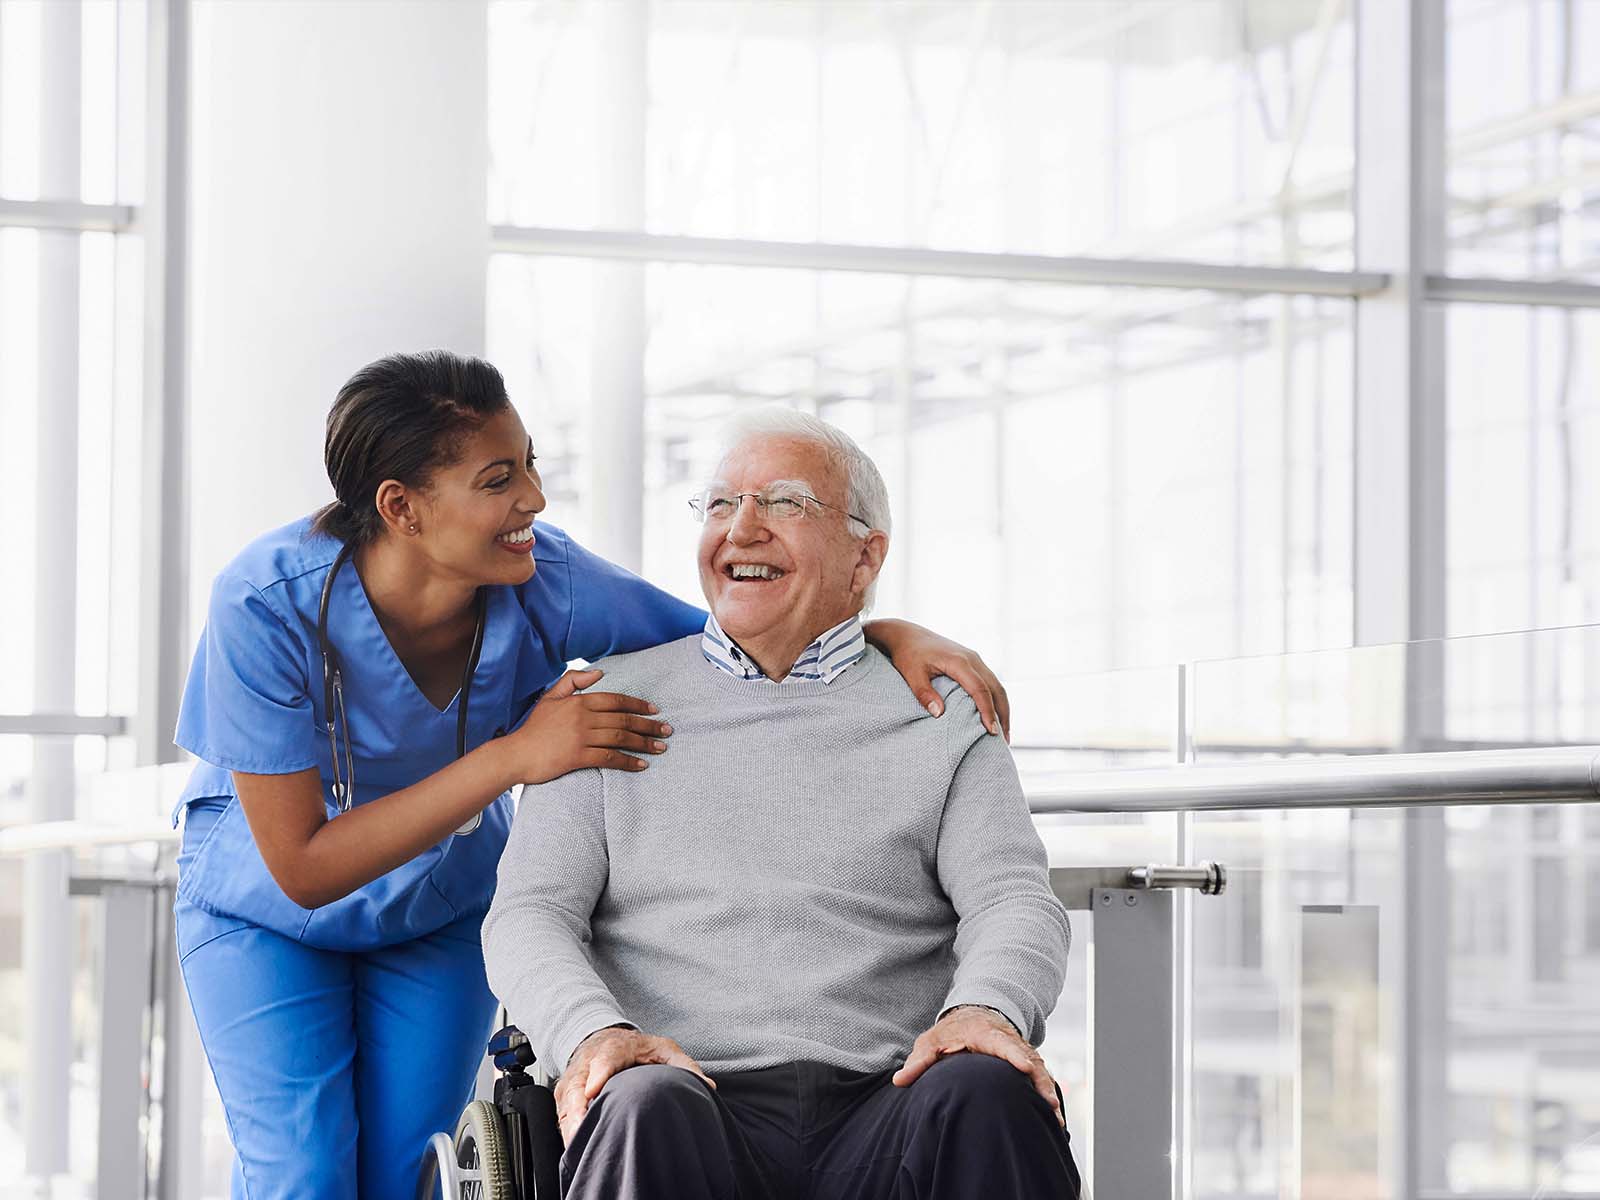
point(481, 1154)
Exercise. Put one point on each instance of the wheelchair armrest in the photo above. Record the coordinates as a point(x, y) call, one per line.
point(529, 1109)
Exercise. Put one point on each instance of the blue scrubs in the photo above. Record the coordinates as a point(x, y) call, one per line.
point(342, 1037)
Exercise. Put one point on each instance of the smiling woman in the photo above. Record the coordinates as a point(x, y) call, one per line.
point(316, 908)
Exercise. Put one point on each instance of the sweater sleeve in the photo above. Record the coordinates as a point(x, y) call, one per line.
point(537, 933)
point(1012, 934)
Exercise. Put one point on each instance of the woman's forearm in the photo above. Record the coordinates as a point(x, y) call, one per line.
point(374, 838)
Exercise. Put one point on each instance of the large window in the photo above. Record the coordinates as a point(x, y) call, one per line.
point(1094, 475)
point(1217, 130)
point(72, 161)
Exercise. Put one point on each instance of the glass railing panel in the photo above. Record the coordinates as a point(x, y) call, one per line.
point(1488, 918)
point(1533, 688)
point(1309, 898)
point(1520, 1077)
point(38, 998)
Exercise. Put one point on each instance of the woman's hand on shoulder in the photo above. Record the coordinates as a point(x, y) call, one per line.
point(570, 729)
point(919, 654)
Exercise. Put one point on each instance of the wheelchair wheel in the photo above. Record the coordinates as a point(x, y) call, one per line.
point(485, 1165)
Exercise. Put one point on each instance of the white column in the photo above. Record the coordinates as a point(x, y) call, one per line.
point(340, 167)
point(614, 483)
point(1399, 401)
point(181, 1085)
point(163, 518)
point(48, 944)
point(1400, 525)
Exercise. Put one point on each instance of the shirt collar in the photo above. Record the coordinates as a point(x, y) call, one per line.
point(826, 658)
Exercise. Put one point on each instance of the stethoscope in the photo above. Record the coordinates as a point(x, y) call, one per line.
point(333, 696)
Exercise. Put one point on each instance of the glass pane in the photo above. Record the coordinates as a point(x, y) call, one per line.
point(72, 72)
point(1523, 425)
point(1508, 1059)
point(24, 762)
point(19, 390)
point(105, 271)
point(1217, 130)
point(1524, 194)
point(1082, 479)
point(20, 82)
point(1250, 1019)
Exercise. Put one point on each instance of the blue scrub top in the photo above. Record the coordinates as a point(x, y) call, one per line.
point(254, 703)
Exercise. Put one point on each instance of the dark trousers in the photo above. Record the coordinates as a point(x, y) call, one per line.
point(971, 1126)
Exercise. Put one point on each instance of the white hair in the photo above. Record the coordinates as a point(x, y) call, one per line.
point(866, 495)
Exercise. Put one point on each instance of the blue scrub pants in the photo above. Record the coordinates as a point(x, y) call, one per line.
point(335, 1068)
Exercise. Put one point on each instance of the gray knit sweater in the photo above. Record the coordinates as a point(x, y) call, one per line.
point(811, 872)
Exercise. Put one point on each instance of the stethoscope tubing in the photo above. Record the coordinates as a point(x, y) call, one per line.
point(338, 721)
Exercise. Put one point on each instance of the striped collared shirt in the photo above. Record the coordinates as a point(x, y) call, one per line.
point(826, 658)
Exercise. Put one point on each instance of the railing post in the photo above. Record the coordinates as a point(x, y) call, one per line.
point(126, 927)
point(1130, 1058)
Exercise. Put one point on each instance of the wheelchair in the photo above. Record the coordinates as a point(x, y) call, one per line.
point(509, 1149)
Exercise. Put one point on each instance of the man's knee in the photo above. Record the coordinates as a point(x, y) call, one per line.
point(1011, 1143)
point(655, 1091)
point(649, 1124)
point(977, 1085)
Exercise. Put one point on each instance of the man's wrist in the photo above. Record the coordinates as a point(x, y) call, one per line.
point(955, 1008)
point(594, 1033)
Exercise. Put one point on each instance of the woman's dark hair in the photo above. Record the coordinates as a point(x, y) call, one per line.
point(402, 417)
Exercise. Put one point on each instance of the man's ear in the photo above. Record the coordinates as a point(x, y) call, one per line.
point(874, 548)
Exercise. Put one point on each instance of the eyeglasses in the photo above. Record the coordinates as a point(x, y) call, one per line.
point(774, 504)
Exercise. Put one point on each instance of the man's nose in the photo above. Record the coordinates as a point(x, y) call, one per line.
point(747, 525)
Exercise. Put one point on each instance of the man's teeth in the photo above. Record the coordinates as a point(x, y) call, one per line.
point(754, 571)
point(520, 537)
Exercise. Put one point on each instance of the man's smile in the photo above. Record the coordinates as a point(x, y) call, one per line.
point(753, 571)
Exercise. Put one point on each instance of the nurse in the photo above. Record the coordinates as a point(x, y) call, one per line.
point(370, 684)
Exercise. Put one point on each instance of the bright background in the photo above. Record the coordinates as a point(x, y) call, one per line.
point(212, 212)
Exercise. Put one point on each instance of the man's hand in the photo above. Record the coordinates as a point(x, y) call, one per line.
point(600, 1056)
point(971, 1029)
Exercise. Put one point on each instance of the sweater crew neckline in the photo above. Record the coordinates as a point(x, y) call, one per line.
point(785, 689)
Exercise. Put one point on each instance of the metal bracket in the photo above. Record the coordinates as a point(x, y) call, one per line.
point(1075, 886)
point(1209, 878)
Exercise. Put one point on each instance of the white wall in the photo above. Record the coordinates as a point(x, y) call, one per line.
point(339, 169)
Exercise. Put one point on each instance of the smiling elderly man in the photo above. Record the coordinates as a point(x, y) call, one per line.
point(810, 950)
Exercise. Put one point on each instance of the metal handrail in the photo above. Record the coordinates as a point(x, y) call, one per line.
point(1537, 775)
point(1541, 775)
point(42, 836)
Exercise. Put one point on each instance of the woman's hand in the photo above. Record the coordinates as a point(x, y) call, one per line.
point(567, 731)
point(919, 654)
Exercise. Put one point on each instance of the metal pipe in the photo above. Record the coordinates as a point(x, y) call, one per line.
point(41, 837)
point(1559, 293)
point(1207, 878)
point(1534, 776)
point(911, 260)
point(69, 215)
point(58, 724)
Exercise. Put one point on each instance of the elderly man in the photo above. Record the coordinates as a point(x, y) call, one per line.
point(810, 950)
